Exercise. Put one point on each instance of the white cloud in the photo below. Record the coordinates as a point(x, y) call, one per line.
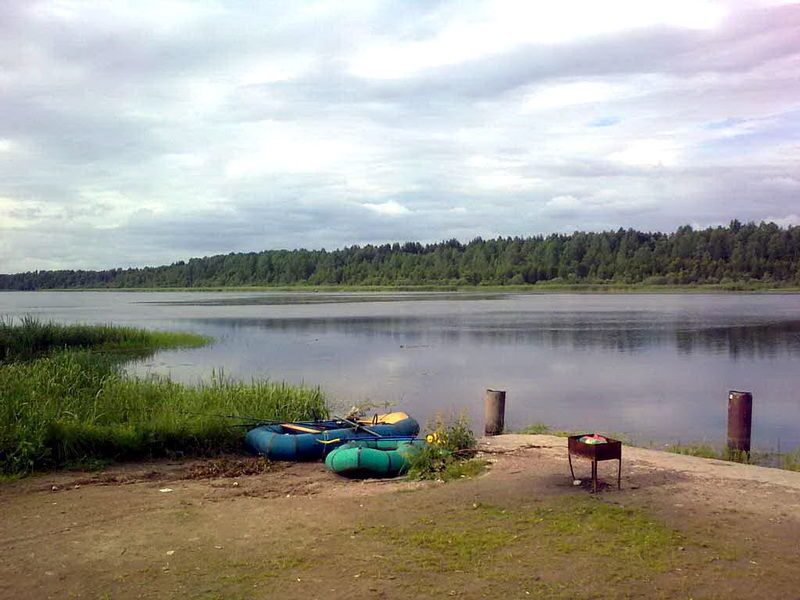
point(782, 181)
point(503, 181)
point(792, 220)
point(390, 208)
point(274, 147)
point(262, 71)
point(176, 129)
point(649, 153)
point(568, 94)
point(566, 203)
point(501, 25)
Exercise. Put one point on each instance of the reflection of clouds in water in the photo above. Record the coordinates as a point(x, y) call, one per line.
point(563, 367)
point(653, 367)
point(391, 367)
point(620, 332)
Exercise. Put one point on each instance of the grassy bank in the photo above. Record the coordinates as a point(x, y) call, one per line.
point(789, 461)
point(553, 287)
point(60, 407)
point(29, 338)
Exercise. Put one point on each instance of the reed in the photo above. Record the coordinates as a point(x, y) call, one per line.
point(79, 405)
point(28, 337)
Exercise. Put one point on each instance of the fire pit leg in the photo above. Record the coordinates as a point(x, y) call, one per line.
point(594, 476)
point(619, 475)
point(569, 457)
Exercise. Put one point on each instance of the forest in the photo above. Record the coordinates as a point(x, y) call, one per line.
point(764, 254)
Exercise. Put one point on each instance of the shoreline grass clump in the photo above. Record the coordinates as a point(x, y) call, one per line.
point(79, 406)
point(789, 461)
point(29, 338)
point(449, 454)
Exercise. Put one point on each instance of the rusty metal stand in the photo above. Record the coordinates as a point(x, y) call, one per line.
point(612, 450)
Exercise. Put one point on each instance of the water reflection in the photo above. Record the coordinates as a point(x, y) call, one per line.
point(299, 298)
point(655, 367)
point(619, 333)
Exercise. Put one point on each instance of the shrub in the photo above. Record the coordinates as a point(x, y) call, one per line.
point(451, 446)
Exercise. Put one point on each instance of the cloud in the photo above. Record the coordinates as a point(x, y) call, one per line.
point(390, 208)
point(792, 220)
point(139, 133)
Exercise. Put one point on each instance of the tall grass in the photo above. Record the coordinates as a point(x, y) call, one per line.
point(29, 337)
point(74, 405)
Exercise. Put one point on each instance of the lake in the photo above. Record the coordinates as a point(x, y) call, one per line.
point(655, 367)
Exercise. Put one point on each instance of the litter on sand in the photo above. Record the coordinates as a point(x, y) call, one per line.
point(593, 439)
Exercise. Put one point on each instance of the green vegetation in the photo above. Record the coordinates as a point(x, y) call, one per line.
point(791, 461)
point(30, 338)
point(449, 453)
point(701, 450)
point(537, 429)
point(737, 257)
point(707, 451)
point(788, 460)
point(78, 406)
point(543, 429)
point(625, 540)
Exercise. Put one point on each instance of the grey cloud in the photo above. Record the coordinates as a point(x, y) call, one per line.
point(113, 156)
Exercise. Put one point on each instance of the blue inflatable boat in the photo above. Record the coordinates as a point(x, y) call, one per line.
point(313, 440)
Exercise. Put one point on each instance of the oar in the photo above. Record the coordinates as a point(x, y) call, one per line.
point(249, 421)
point(358, 426)
point(392, 438)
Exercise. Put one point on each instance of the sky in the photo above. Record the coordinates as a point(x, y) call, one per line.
point(146, 132)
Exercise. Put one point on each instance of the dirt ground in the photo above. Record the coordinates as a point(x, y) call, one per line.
point(682, 527)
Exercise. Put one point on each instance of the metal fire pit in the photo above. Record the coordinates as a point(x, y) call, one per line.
point(611, 450)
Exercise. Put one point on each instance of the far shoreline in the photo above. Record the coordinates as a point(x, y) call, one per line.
point(579, 288)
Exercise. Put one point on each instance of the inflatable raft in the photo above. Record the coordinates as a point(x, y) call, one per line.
point(373, 458)
point(313, 440)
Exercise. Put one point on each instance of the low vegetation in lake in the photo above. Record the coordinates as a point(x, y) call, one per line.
point(29, 338)
point(61, 407)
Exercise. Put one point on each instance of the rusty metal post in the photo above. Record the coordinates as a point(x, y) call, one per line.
point(740, 418)
point(494, 403)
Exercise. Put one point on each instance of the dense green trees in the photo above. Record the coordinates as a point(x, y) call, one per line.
point(737, 253)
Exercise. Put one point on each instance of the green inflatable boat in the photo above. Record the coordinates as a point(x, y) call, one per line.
point(373, 458)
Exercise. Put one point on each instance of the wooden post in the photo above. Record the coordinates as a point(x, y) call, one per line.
point(494, 403)
point(740, 418)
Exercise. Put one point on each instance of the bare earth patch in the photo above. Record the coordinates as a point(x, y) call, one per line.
point(239, 527)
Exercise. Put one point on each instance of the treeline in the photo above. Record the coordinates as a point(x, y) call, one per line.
point(764, 253)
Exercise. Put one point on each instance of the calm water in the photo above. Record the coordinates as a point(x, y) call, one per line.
point(655, 367)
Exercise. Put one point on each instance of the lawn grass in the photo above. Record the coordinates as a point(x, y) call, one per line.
point(61, 407)
point(629, 539)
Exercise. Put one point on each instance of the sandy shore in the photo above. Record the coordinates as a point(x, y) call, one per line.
point(718, 530)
